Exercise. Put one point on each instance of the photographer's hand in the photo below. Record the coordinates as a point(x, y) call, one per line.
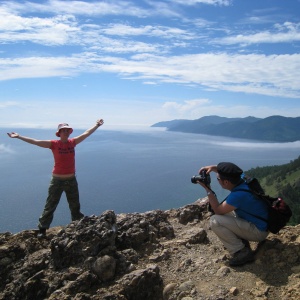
point(208, 169)
point(205, 186)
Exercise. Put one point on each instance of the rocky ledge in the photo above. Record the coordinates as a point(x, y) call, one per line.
point(167, 255)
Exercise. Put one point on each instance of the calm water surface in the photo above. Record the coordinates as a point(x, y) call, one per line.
point(124, 171)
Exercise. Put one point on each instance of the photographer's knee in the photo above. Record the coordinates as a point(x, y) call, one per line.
point(213, 222)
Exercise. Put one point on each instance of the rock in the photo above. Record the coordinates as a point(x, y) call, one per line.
point(191, 212)
point(137, 229)
point(168, 290)
point(164, 255)
point(81, 284)
point(186, 286)
point(196, 236)
point(234, 291)
point(296, 269)
point(143, 284)
point(223, 271)
point(105, 267)
point(85, 238)
point(107, 257)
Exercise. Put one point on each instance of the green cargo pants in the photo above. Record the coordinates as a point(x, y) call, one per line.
point(56, 188)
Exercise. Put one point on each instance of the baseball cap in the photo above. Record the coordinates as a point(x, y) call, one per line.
point(229, 170)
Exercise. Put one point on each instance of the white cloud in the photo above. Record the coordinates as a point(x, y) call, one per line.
point(209, 2)
point(36, 67)
point(194, 109)
point(99, 8)
point(286, 33)
point(106, 8)
point(256, 145)
point(67, 30)
point(58, 30)
point(120, 112)
point(149, 30)
point(260, 74)
point(189, 109)
point(274, 75)
point(8, 104)
point(5, 149)
point(151, 43)
point(188, 105)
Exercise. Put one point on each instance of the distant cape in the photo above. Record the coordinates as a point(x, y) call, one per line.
point(271, 129)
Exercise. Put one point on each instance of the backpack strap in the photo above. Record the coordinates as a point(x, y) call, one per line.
point(256, 196)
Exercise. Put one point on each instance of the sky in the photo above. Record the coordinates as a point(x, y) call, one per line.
point(139, 62)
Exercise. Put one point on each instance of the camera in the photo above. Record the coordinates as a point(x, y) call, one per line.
point(202, 177)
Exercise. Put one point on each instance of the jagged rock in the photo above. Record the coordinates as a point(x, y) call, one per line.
point(193, 236)
point(81, 284)
point(88, 237)
point(164, 255)
point(138, 229)
point(107, 257)
point(143, 284)
point(191, 212)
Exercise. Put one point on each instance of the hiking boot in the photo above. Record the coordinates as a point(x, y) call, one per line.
point(246, 243)
point(42, 233)
point(242, 257)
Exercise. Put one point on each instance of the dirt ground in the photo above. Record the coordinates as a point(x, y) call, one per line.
point(275, 274)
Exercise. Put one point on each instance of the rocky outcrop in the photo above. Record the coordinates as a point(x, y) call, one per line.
point(157, 255)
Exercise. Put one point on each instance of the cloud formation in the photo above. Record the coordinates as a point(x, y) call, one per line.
point(249, 73)
point(5, 149)
point(260, 74)
point(154, 43)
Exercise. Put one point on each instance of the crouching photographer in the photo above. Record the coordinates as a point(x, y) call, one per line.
point(234, 220)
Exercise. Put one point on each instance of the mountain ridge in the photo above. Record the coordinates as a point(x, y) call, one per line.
point(270, 129)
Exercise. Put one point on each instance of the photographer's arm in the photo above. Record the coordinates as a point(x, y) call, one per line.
point(218, 208)
point(40, 143)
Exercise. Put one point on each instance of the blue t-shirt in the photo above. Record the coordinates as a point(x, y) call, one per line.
point(246, 204)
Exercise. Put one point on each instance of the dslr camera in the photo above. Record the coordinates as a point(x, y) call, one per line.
point(202, 177)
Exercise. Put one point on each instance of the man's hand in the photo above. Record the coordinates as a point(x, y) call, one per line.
point(209, 169)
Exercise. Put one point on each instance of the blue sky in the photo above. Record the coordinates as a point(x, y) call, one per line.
point(135, 63)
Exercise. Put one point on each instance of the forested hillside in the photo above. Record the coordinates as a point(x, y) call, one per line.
point(284, 181)
point(274, 128)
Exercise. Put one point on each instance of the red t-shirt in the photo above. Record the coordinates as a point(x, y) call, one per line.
point(64, 156)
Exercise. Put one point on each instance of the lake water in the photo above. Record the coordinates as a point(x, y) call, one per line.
point(124, 171)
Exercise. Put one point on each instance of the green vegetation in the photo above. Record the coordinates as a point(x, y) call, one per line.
point(283, 181)
point(274, 128)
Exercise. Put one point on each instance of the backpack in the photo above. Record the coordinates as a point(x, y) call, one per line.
point(279, 212)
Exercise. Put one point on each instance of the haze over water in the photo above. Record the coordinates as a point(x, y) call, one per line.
point(124, 171)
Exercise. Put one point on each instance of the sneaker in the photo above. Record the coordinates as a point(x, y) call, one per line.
point(242, 257)
point(42, 233)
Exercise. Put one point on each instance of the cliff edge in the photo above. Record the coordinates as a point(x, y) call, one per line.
point(155, 255)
